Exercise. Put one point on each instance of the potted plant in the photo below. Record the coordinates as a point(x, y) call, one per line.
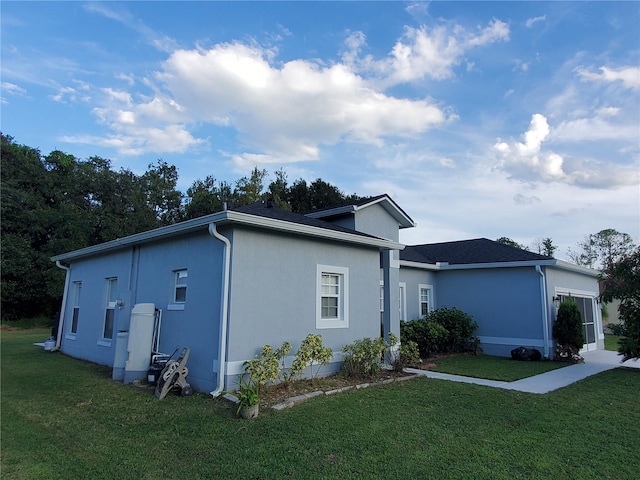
point(248, 399)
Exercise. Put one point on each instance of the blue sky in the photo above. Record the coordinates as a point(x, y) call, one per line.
point(481, 119)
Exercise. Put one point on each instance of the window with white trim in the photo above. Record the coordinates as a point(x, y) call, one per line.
point(402, 301)
point(180, 286)
point(332, 297)
point(77, 287)
point(110, 313)
point(425, 299)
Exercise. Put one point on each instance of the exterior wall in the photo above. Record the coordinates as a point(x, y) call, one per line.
point(506, 303)
point(197, 326)
point(581, 285)
point(87, 343)
point(145, 275)
point(375, 220)
point(413, 278)
point(274, 293)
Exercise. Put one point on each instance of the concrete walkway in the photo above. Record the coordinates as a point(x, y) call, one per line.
point(594, 362)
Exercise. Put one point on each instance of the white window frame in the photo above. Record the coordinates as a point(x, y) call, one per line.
point(111, 302)
point(402, 301)
point(179, 281)
point(430, 299)
point(77, 288)
point(342, 320)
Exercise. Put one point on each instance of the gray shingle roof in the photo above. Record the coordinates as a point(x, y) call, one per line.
point(464, 252)
point(262, 209)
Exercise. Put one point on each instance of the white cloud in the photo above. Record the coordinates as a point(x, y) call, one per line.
point(11, 89)
point(427, 52)
point(286, 111)
point(133, 140)
point(532, 21)
point(158, 41)
point(629, 76)
point(529, 161)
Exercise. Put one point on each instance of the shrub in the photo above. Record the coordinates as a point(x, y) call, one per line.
point(427, 334)
point(460, 328)
point(311, 352)
point(405, 355)
point(263, 369)
point(363, 358)
point(568, 329)
point(444, 330)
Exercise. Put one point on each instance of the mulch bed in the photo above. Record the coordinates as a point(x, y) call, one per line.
point(277, 394)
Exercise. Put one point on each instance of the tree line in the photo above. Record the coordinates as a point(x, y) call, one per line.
point(57, 203)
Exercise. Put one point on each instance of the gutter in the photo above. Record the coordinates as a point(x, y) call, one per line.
point(545, 310)
point(224, 310)
point(63, 308)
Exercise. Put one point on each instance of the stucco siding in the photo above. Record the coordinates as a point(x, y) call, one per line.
point(505, 302)
point(565, 282)
point(87, 343)
point(413, 278)
point(274, 292)
point(375, 220)
point(145, 275)
point(197, 326)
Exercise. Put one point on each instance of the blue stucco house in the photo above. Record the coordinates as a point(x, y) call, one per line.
point(230, 282)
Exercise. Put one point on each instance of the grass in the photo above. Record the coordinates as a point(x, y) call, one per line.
point(611, 342)
point(492, 368)
point(64, 418)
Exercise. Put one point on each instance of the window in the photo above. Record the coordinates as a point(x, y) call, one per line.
point(332, 297)
point(76, 306)
point(402, 301)
point(110, 314)
point(381, 302)
point(426, 299)
point(180, 283)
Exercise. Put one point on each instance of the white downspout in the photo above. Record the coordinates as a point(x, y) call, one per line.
point(545, 311)
point(63, 308)
point(224, 318)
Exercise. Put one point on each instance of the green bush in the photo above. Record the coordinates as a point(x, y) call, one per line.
point(363, 358)
point(427, 334)
point(568, 329)
point(405, 355)
point(445, 330)
point(311, 352)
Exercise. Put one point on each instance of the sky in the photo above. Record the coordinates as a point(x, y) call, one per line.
point(480, 119)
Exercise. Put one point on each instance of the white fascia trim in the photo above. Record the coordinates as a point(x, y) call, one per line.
point(332, 211)
point(471, 266)
point(564, 265)
point(404, 220)
point(422, 266)
point(284, 226)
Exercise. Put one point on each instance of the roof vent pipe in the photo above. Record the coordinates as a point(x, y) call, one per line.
point(224, 206)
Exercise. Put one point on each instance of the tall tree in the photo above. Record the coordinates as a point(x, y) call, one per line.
point(543, 246)
point(510, 242)
point(249, 189)
point(279, 190)
point(324, 195)
point(159, 184)
point(621, 280)
point(602, 249)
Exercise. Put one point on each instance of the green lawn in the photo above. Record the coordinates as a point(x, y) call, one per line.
point(64, 418)
point(611, 342)
point(493, 368)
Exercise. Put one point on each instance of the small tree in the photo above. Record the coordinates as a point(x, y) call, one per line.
point(621, 280)
point(568, 329)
